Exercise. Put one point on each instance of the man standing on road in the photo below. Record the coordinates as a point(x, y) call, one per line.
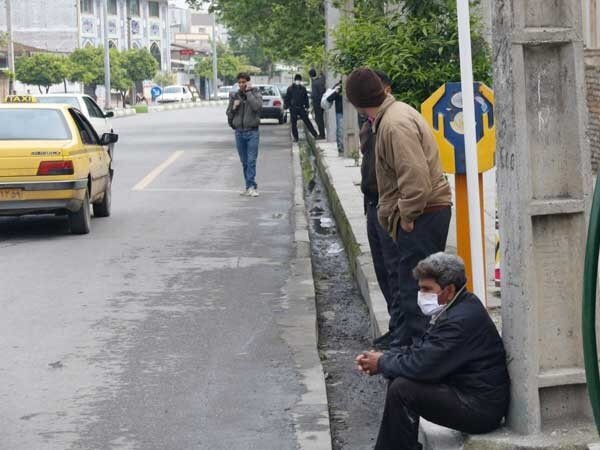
point(414, 196)
point(455, 375)
point(243, 115)
point(317, 91)
point(296, 99)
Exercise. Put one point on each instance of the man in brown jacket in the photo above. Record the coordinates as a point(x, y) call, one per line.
point(414, 196)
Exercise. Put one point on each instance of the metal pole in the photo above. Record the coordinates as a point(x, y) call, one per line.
point(214, 58)
point(11, 47)
point(107, 103)
point(466, 74)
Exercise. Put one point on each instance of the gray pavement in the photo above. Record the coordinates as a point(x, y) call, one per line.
point(165, 328)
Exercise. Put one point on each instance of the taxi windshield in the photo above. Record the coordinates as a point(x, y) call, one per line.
point(72, 101)
point(33, 125)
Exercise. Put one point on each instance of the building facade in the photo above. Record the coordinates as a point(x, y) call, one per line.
point(64, 25)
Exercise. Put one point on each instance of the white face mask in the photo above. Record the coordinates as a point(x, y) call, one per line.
point(428, 302)
point(298, 82)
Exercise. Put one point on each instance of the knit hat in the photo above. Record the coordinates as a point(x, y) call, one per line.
point(364, 88)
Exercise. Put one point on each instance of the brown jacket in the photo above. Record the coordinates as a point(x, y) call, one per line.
point(409, 174)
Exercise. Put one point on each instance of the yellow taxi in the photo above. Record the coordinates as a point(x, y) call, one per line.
point(52, 161)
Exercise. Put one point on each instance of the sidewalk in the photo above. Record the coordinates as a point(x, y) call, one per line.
point(342, 177)
point(130, 111)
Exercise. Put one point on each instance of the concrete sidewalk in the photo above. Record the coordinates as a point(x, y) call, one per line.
point(341, 176)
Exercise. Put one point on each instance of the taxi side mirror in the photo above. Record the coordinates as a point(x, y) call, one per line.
point(109, 138)
point(109, 114)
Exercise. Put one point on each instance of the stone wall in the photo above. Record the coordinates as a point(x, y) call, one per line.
point(592, 76)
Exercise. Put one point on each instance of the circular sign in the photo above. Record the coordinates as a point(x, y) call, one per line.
point(156, 91)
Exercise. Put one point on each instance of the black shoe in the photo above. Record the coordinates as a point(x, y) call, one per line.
point(383, 342)
point(320, 138)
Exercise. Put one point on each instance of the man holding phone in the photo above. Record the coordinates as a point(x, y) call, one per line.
point(243, 115)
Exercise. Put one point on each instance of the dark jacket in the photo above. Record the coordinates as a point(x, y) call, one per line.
point(339, 102)
point(461, 349)
point(247, 115)
point(368, 182)
point(296, 97)
point(317, 91)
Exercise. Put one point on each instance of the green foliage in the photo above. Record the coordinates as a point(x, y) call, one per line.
point(417, 47)
point(87, 65)
point(42, 70)
point(281, 28)
point(228, 65)
point(139, 64)
point(164, 78)
point(314, 57)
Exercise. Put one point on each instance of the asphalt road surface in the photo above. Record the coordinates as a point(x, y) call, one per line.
point(157, 330)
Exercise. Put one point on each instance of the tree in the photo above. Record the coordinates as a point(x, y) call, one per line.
point(228, 65)
point(164, 78)
point(139, 64)
point(87, 67)
point(417, 47)
point(281, 28)
point(41, 70)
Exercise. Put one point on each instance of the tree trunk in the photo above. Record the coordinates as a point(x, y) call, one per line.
point(65, 83)
point(40, 88)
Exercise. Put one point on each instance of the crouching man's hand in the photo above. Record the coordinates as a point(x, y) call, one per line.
point(368, 362)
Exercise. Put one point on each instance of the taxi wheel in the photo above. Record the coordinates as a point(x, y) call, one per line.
point(80, 221)
point(102, 208)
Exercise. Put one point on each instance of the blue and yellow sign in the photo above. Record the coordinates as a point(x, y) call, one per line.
point(444, 112)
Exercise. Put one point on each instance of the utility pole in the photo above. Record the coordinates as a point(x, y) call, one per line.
point(11, 47)
point(107, 103)
point(214, 58)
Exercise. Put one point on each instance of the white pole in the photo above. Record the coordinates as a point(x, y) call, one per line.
point(107, 88)
point(215, 76)
point(466, 74)
point(11, 47)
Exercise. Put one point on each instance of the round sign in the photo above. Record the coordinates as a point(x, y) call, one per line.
point(156, 91)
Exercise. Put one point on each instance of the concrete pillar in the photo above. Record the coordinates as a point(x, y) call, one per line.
point(332, 19)
point(544, 183)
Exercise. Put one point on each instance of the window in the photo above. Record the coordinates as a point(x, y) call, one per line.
point(87, 6)
point(268, 91)
point(86, 131)
point(93, 109)
point(154, 9)
point(134, 8)
point(172, 90)
point(63, 99)
point(112, 7)
point(33, 125)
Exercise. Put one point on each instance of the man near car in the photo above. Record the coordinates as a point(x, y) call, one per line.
point(455, 375)
point(414, 196)
point(243, 115)
point(317, 91)
point(296, 99)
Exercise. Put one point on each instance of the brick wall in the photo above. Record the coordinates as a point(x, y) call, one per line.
point(592, 76)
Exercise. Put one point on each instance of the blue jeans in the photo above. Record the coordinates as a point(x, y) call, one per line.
point(247, 147)
point(339, 131)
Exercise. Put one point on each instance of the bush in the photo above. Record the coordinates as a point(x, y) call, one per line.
point(417, 48)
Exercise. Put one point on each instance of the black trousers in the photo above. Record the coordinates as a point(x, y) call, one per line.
point(408, 400)
point(302, 114)
point(319, 112)
point(379, 239)
point(429, 236)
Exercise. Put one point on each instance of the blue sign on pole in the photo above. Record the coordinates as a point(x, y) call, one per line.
point(156, 91)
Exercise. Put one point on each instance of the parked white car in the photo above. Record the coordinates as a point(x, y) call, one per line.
point(177, 93)
point(224, 92)
point(90, 109)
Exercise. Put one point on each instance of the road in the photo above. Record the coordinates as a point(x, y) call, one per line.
point(158, 329)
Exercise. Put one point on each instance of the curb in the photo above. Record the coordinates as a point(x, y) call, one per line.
point(299, 322)
point(125, 112)
point(352, 225)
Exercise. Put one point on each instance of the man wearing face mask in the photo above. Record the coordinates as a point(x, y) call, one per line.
point(455, 375)
point(296, 99)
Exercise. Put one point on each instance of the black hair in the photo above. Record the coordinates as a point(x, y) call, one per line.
point(298, 77)
point(312, 73)
point(384, 77)
point(243, 75)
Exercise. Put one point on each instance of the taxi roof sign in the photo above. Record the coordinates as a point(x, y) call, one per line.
point(21, 99)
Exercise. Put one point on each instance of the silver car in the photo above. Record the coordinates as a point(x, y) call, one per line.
point(272, 103)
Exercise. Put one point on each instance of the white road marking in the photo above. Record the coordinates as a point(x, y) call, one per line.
point(157, 171)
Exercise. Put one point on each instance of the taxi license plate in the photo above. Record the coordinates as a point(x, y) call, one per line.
point(10, 194)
